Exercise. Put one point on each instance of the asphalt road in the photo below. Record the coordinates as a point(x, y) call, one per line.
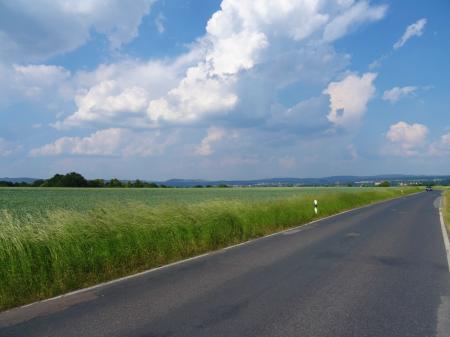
point(378, 271)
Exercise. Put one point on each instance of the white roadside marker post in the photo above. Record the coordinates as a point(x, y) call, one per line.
point(315, 207)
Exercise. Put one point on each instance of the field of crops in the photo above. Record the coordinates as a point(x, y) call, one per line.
point(21, 201)
point(56, 240)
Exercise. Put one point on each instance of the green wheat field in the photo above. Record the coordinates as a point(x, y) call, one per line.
point(21, 201)
point(57, 240)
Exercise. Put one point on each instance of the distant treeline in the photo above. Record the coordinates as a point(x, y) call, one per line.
point(75, 179)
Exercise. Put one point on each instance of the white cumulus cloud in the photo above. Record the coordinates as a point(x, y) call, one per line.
point(394, 94)
point(245, 46)
point(40, 83)
point(441, 147)
point(119, 93)
point(358, 13)
point(349, 98)
point(107, 99)
point(243, 35)
point(213, 136)
point(233, 75)
point(33, 81)
point(415, 29)
point(44, 28)
point(108, 142)
point(406, 139)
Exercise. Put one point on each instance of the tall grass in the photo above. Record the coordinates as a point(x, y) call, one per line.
point(446, 209)
point(63, 250)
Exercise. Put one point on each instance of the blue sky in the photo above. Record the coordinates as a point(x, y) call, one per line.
point(160, 89)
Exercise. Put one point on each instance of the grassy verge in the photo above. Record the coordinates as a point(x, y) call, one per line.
point(43, 256)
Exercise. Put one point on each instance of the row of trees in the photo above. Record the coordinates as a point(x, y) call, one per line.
point(75, 179)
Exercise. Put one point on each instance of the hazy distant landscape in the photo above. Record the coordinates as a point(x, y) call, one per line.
point(393, 179)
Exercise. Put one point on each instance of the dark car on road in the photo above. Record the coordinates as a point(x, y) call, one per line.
point(429, 189)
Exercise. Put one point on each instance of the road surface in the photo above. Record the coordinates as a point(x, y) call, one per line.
point(377, 271)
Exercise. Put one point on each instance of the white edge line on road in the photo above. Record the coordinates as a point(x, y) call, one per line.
point(444, 234)
point(118, 280)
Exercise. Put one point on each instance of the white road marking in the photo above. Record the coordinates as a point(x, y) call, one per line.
point(443, 319)
point(445, 236)
point(293, 231)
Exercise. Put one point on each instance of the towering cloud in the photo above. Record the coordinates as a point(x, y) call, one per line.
point(213, 78)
